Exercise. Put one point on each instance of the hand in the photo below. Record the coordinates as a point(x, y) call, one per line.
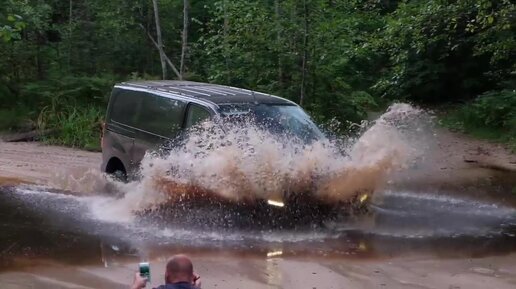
point(139, 282)
point(196, 281)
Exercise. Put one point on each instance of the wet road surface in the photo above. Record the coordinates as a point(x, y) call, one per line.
point(40, 224)
point(442, 237)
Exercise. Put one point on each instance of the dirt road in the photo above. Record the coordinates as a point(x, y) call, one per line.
point(454, 159)
point(457, 161)
point(234, 272)
point(37, 163)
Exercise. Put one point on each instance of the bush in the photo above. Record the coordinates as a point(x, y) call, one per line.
point(491, 115)
point(493, 109)
point(76, 127)
point(15, 119)
point(72, 105)
point(342, 109)
point(69, 90)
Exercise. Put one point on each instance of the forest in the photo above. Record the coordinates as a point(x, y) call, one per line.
point(339, 59)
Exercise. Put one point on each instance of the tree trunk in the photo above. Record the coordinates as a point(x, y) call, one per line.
point(39, 65)
point(278, 41)
point(159, 40)
point(167, 60)
point(185, 39)
point(305, 54)
point(70, 34)
point(226, 27)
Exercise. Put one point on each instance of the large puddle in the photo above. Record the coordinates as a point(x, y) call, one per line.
point(38, 223)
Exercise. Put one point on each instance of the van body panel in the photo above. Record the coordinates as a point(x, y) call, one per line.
point(120, 146)
point(145, 142)
point(167, 94)
point(142, 116)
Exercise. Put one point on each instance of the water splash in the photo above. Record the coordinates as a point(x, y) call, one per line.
point(89, 182)
point(242, 163)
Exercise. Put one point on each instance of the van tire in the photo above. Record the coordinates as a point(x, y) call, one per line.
point(115, 168)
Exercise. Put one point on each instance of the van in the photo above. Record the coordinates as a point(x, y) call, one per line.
point(143, 115)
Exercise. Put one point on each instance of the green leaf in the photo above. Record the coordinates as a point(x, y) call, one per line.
point(490, 19)
point(6, 37)
point(11, 18)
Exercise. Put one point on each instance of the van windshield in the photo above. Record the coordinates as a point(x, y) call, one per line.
point(278, 119)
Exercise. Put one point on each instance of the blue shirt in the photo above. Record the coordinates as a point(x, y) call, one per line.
point(179, 285)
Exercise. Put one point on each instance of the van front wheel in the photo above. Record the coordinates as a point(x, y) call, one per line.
point(115, 168)
point(119, 175)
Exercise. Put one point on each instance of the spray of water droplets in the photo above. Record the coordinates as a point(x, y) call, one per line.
point(243, 162)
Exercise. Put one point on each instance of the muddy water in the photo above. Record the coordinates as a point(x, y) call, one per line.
point(38, 223)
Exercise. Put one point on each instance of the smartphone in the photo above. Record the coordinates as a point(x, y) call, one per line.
point(144, 269)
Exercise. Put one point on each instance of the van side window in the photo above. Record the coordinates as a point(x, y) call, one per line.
point(196, 114)
point(125, 107)
point(160, 115)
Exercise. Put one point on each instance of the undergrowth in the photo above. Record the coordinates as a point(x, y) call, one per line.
point(490, 116)
point(15, 119)
point(75, 127)
point(69, 109)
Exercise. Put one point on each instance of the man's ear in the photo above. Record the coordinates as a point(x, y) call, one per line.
point(167, 277)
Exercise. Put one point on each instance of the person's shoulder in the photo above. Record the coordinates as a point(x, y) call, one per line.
point(182, 286)
point(176, 286)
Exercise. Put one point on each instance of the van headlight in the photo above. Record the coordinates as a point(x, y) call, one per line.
point(275, 203)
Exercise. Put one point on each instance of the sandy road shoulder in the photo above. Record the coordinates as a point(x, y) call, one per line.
point(39, 163)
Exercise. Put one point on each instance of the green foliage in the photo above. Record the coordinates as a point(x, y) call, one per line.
point(492, 115)
point(76, 127)
point(239, 52)
point(447, 50)
point(58, 62)
point(73, 106)
point(68, 91)
point(15, 118)
point(492, 109)
point(12, 28)
point(257, 46)
point(346, 109)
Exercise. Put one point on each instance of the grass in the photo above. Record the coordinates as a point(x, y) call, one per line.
point(76, 127)
point(492, 116)
point(459, 119)
point(71, 106)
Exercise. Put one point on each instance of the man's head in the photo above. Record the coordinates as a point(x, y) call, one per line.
point(179, 269)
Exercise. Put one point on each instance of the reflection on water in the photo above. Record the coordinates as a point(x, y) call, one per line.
point(36, 223)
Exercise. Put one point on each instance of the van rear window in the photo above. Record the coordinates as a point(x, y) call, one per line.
point(125, 107)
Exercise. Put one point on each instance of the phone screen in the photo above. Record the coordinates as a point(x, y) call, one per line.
point(144, 269)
